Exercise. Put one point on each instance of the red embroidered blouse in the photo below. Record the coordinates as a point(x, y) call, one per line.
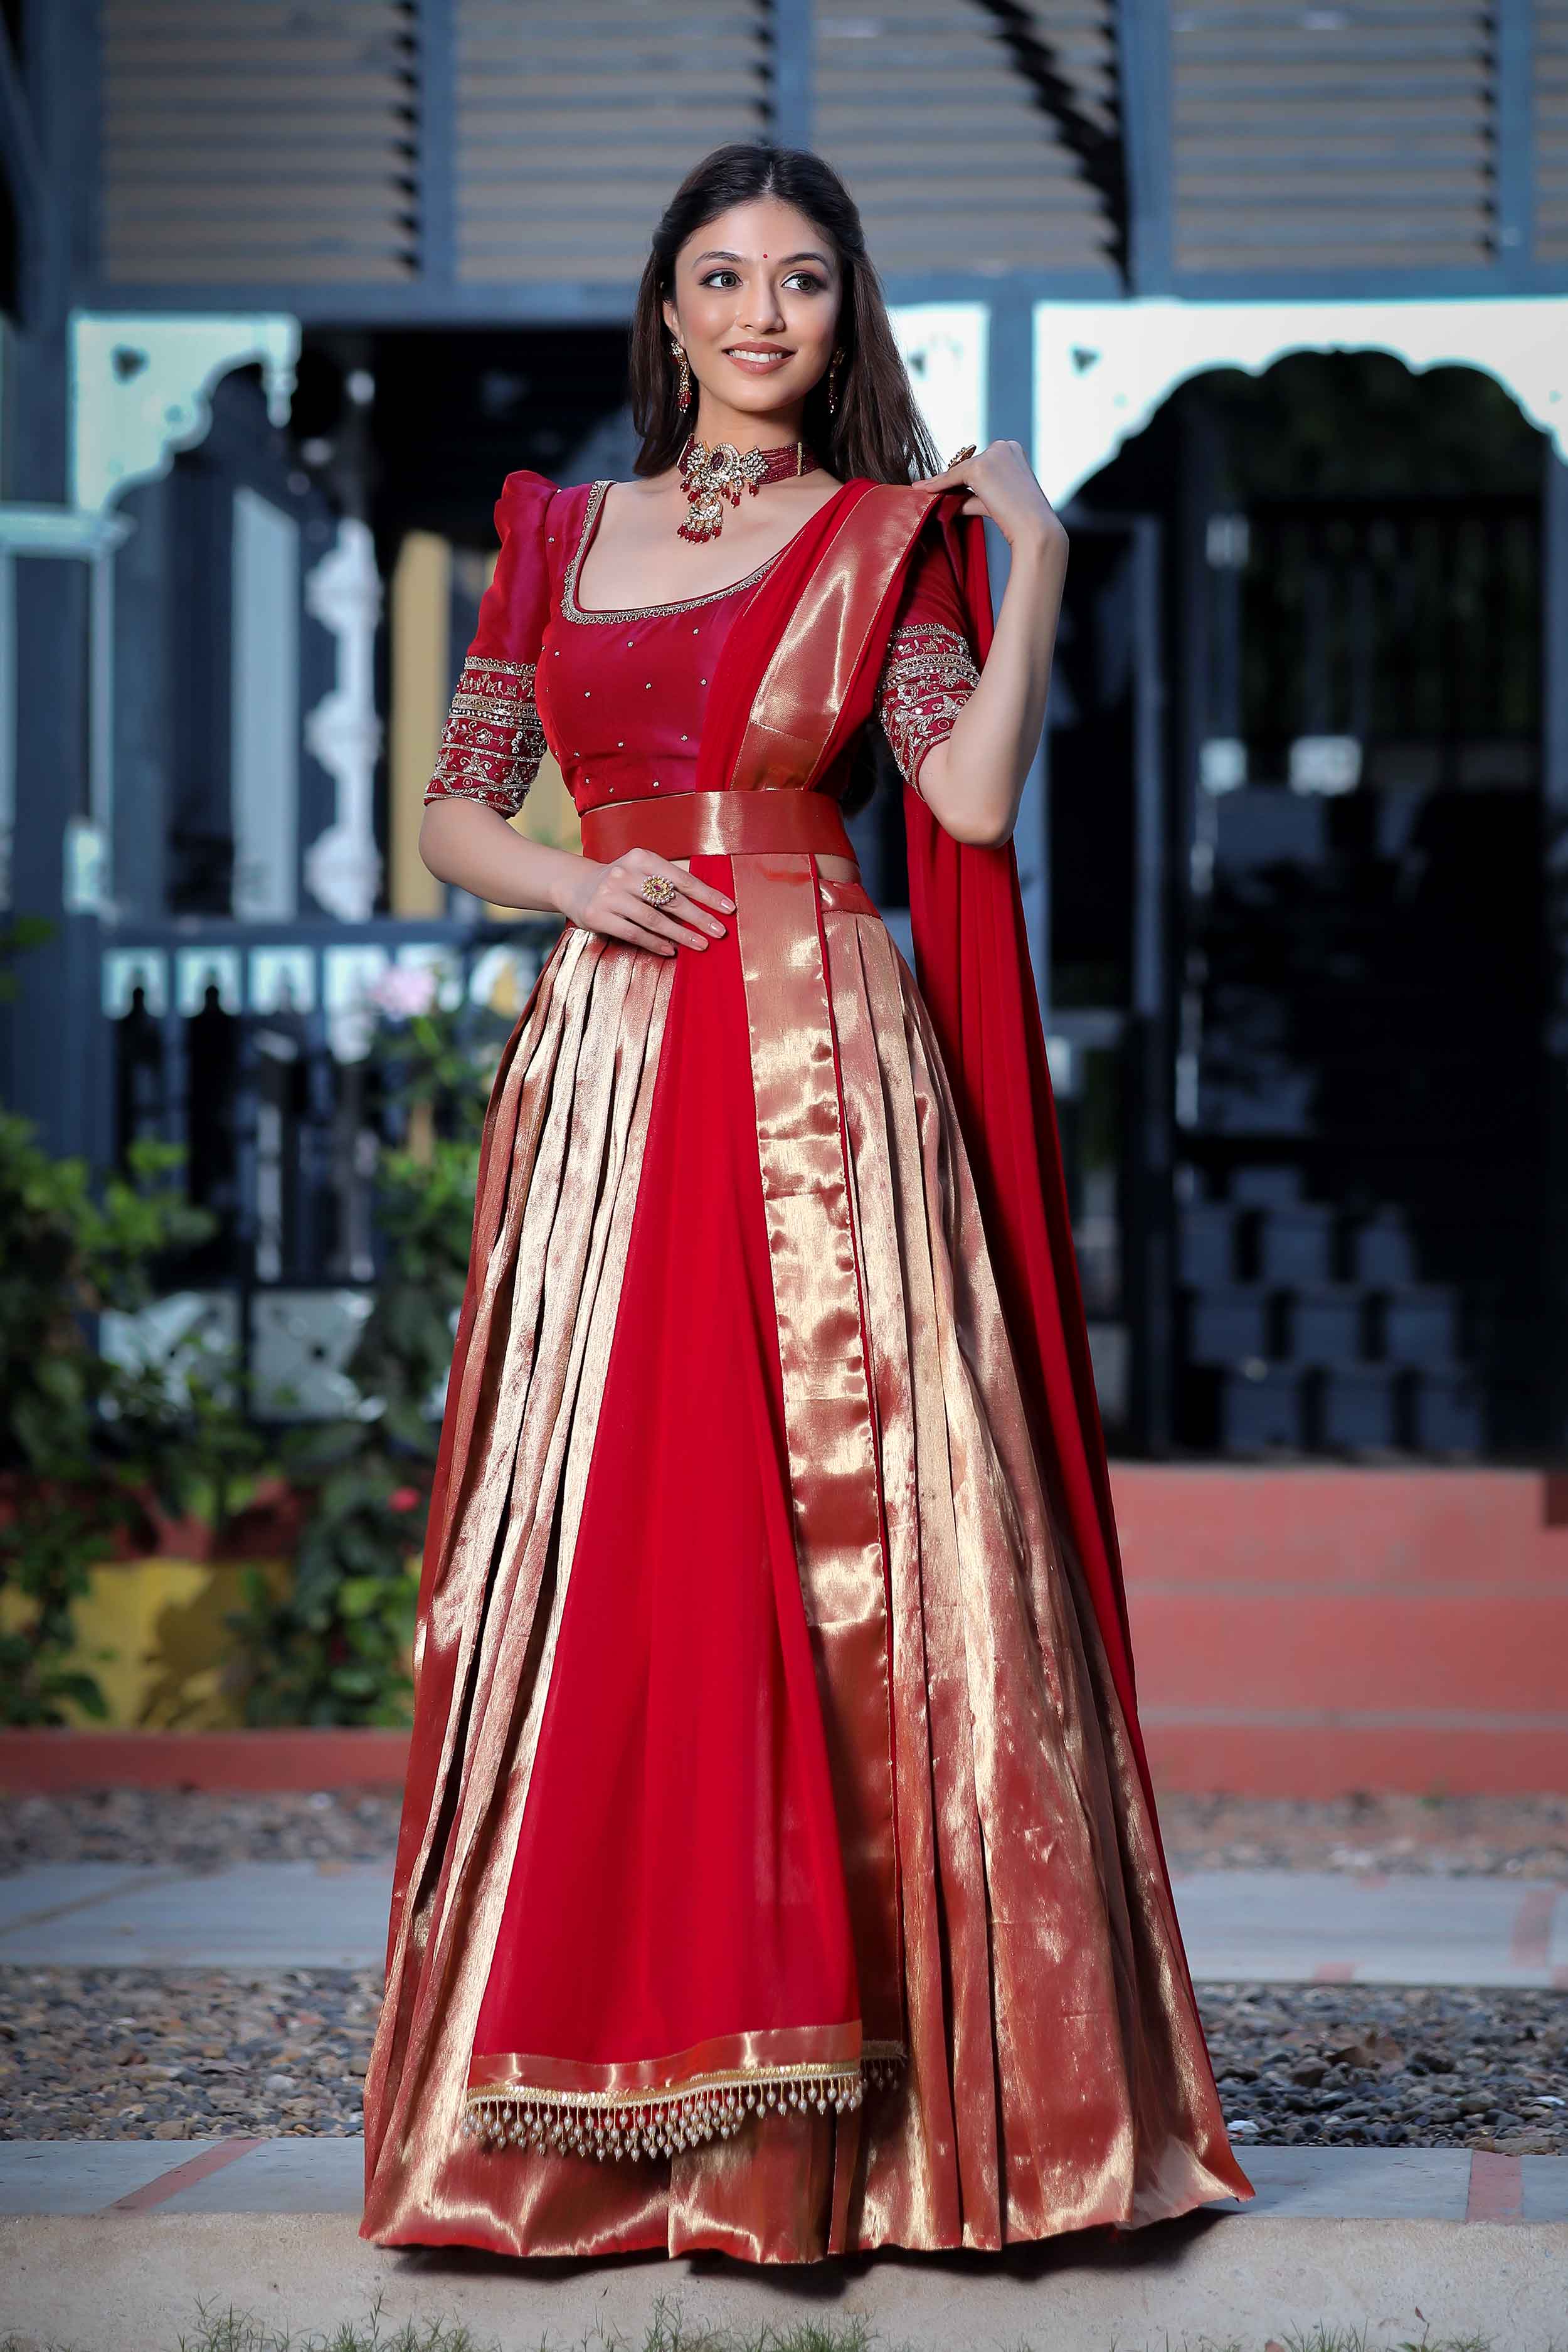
point(618, 697)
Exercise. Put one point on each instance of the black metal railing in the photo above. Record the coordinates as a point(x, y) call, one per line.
point(251, 1049)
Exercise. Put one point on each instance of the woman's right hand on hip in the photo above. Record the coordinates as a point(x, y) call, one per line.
point(609, 899)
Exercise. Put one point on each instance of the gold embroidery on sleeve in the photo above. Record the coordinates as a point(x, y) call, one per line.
point(929, 676)
point(492, 743)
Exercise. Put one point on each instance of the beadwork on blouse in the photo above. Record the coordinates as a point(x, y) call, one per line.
point(929, 676)
point(626, 709)
point(492, 743)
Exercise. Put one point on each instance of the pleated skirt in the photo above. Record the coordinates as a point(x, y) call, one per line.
point(635, 1844)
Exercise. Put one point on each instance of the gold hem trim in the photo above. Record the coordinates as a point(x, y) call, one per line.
point(676, 2115)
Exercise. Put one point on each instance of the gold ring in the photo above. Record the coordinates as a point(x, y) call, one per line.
point(967, 451)
point(657, 889)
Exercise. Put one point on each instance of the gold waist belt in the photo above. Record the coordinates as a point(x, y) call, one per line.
point(693, 825)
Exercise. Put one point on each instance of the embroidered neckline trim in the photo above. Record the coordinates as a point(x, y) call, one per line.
point(573, 610)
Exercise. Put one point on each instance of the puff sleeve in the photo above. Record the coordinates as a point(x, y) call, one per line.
point(929, 670)
point(492, 742)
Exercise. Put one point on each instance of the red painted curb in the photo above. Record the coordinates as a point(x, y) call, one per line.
point(164, 2184)
point(1496, 2186)
point(1315, 1630)
point(1303, 1633)
point(43, 1763)
point(1325, 1757)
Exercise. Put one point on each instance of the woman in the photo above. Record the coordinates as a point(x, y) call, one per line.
point(778, 1871)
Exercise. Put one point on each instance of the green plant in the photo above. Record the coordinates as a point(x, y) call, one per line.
point(231, 2331)
point(334, 1647)
point(86, 1441)
point(15, 939)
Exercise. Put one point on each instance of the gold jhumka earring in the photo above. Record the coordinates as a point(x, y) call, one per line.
point(683, 385)
point(833, 383)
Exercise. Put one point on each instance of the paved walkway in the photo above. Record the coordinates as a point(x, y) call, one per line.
point(325, 2176)
point(1261, 1927)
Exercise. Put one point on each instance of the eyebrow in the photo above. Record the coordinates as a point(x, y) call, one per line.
point(785, 259)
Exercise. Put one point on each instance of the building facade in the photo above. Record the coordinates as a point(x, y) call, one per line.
point(1276, 297)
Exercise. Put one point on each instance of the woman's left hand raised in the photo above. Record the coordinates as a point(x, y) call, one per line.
point(1001, 483)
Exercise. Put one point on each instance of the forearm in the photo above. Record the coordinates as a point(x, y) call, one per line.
point(974, 780)
point(473, 847)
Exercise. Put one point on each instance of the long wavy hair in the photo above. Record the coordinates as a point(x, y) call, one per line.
point(876, 430)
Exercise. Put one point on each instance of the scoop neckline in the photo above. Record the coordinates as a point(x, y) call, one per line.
point(573, 611)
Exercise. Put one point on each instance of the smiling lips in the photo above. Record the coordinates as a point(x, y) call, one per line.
point(757, 359)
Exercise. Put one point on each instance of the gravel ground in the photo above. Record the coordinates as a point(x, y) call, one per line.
point(183, 2053)
point(204, 1828)
point(1520, 1837)
point(138, 2053)
point(1513, 1837)
point(1383, 2066)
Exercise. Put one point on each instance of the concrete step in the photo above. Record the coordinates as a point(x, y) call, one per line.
point(109, 2246)
point(1270, 1926)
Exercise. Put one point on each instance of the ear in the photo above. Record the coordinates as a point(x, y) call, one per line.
point(671, 319)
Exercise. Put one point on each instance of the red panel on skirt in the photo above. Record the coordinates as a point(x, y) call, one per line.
point(678, 1872)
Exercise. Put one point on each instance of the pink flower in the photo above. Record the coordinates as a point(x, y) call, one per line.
point(404, 990)
point(403, 1499)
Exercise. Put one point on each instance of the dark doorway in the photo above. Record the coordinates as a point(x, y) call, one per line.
point(1107, 1027)
point(1357, 966)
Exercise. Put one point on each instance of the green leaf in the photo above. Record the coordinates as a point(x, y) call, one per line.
point(359, 1595)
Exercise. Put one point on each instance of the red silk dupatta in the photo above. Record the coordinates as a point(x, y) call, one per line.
point(972, 957)
point(1013, 1937)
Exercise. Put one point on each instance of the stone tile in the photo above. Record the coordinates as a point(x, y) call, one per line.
point(1360, 2184)
point(55, 1886)
point(289, 2175)
point(282, 2176)
point(282, 1914)
point(1240, 1925)
point(1280, 1927)
point(83, 2176)
point(1545, 2194)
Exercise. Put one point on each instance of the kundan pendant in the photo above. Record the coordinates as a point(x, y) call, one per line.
point(711, 476)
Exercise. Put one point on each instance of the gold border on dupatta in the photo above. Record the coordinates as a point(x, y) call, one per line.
point(830, 1427)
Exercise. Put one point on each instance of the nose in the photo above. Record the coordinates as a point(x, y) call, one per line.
point(767, 318)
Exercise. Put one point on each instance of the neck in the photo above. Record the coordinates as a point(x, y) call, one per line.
point(775, 429)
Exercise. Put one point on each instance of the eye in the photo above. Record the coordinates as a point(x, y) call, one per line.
point(732, 275)
point(807, 280)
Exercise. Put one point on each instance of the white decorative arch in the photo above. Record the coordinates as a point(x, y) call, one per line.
point(141, 388)
point(944, 346)
point(343, 865)
point(1101, 368)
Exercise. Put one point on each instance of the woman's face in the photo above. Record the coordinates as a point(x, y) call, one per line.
point(755, 303)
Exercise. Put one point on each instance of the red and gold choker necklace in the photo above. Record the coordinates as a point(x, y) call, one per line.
point(711, 476)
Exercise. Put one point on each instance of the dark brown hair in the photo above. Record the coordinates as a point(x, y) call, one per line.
point(876, 431)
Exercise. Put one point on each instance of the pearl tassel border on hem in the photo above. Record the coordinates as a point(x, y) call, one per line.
point(662, 2122)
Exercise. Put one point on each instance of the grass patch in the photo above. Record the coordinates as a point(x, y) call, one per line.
point(231, 2331)
point(227, 2330)
point(237, 2331)
point(1356, 2339)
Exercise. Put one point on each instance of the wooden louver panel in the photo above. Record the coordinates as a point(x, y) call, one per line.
point(1339, 138)
point(576, 125)
point(1549, 81)
point(249, 141)
point(956, 164)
